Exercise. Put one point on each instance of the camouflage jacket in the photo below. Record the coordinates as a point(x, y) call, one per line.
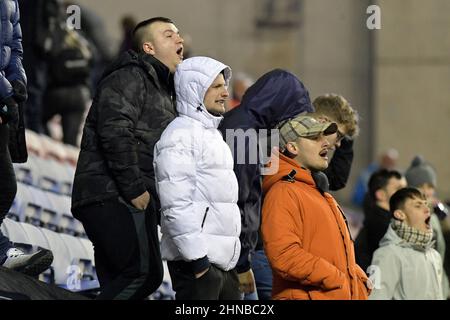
point(133, 104)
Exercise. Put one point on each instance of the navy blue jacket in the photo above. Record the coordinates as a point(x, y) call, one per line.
point(276, 96)
point(11, 48)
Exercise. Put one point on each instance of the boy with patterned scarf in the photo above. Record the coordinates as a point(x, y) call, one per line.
point(406, 267)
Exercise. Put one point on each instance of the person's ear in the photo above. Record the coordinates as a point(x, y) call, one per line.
point(292, 148)
point(399, 215)
point(148, 48)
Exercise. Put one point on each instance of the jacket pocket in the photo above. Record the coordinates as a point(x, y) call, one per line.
point(204, 217)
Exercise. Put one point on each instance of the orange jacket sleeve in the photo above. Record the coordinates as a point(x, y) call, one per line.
point(282, 229)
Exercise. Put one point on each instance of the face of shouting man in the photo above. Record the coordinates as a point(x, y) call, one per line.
point(416, 213)
point(312, 152)
point(306, 140)
point(162, 40)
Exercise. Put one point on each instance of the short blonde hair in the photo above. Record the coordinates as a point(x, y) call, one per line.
point(336, 108)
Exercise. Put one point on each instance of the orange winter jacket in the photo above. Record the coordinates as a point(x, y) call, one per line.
point(307, 241)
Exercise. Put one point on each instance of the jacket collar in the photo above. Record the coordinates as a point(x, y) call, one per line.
point(157, 70)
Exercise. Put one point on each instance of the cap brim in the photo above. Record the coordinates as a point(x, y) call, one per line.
point(325, 128)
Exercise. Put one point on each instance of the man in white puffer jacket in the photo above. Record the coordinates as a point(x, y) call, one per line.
point(198, 190)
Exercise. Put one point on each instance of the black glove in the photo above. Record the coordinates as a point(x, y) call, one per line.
point(20, 91)
point(9, 111)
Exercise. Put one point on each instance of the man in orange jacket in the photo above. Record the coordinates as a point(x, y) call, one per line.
point(305, 234)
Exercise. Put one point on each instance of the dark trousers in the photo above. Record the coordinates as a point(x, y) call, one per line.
point(215, 284)
point(126, 248)
point(36, 69)
point(8, 187)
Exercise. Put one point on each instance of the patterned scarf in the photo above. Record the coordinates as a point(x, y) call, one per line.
point(418, 239)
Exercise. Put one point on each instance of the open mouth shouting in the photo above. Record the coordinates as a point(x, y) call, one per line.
point(427, 222)
point(180, 53)
point(324, 153)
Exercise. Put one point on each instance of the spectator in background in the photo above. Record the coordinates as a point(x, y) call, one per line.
point(12, 93)
point(406, 265)
point(128, 22)
point(114, 193)
point(39, 19)
point(241, 82)
point(382, 185)
point(337, 109)
point(388, 160)
point(305, 235)
point(421, 175)
point(446, 230)
point(200, 219)
point(67, 92)
point(94, 30)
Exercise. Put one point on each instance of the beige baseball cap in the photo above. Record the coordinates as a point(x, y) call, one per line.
point(303, 126)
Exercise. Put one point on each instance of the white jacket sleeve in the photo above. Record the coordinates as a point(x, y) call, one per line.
point(175, 169)
point(386, 269)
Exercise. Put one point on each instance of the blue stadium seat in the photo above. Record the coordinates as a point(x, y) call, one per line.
point(17, 235)
point(82, 264)
point(40, 210)
point(67, 177)
point(48, 174)
point(20, 203)
point(61, 262)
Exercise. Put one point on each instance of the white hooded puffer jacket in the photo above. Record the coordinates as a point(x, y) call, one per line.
point(195, 181)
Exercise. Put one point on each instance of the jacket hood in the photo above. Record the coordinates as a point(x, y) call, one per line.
point(274, 97)
point(391, 237)
point(286, 165)
point(193, 77)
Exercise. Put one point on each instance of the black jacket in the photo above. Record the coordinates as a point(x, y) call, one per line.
point(338, 170)
point(133, 104)
point(376, 223)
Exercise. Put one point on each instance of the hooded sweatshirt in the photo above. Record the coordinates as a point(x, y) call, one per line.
point(198, 190)
point(306, 240)
point(402, 271)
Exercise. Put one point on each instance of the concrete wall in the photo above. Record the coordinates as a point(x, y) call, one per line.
point(334, 56)
point(412, 83)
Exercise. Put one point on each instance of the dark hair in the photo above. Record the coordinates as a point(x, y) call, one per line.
point(399, 198)
point(138, 36)
point(380, 179)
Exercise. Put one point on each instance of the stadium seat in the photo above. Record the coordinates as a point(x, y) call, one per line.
point(61, 262)
point(82, 263)
point(17, 235)
point(18, 207)
point(40, 210)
